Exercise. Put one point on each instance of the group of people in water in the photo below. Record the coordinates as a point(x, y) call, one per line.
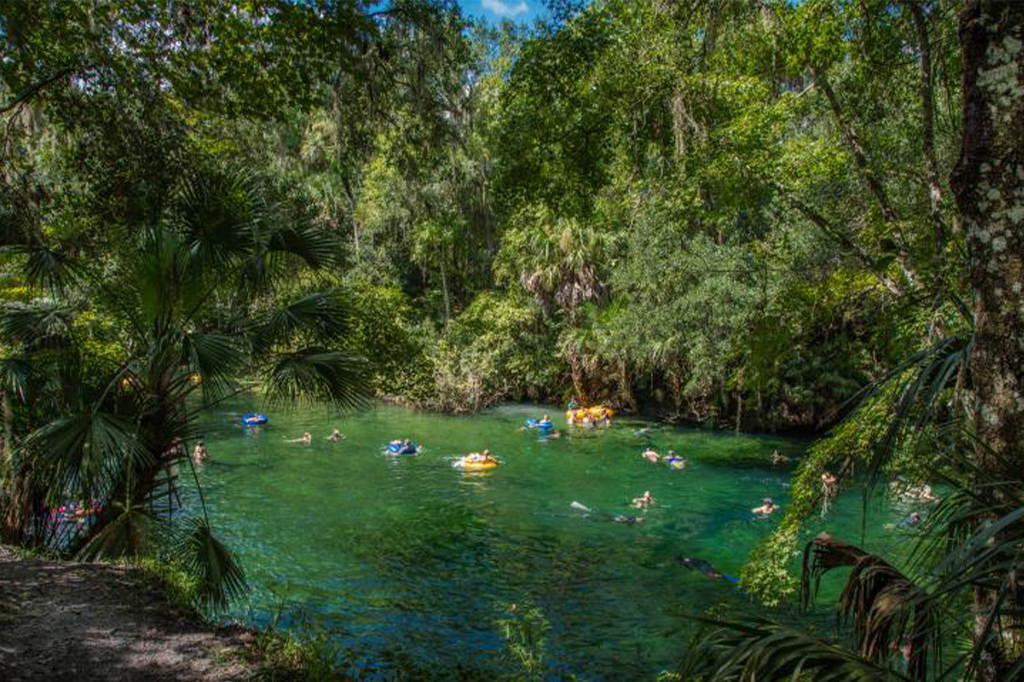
point(307, 438)
point(671, 458)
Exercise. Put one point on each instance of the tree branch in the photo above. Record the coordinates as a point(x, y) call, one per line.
point(31, 91)
point(855, 146)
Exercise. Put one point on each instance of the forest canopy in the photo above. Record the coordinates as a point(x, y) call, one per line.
point(761, 215)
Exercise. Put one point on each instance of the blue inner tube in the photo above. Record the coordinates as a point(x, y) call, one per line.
point(400, 449)
point(253, 419)
point(543, 425)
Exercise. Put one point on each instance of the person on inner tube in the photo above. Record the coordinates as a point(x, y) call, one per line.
point(480, 457)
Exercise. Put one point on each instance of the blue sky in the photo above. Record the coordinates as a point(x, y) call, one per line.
point(497, 10)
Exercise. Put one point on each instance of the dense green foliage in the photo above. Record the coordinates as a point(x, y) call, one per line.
point(736, 214)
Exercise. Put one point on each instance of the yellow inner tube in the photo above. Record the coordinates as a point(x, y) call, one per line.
point(476, 466)
point(596, 413)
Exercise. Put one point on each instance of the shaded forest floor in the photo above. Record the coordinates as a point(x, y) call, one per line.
point(77, 621)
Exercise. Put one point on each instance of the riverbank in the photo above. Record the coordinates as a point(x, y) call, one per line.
point(63, 620)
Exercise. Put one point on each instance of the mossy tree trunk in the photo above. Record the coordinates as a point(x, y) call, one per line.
point(988, 183)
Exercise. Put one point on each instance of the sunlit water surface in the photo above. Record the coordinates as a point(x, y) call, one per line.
point(407, 557)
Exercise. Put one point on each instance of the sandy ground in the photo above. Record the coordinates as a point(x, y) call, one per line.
point(74, 621)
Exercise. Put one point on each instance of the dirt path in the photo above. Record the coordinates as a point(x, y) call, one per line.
point(72, 621)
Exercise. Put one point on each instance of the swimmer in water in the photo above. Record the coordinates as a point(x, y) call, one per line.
point(480, 457)
point(778, 459)
point(650, 455)
point(306, 439)
point(674, 460)
point(829, 485)
point(336, 435)
point(767, 508)
point(199, 453)
point(589, 513)
point(705, 568)
point(644, 501)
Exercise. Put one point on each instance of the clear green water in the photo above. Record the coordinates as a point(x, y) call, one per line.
point(408, 555)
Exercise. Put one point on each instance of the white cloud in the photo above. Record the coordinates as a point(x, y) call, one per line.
point(505, 9)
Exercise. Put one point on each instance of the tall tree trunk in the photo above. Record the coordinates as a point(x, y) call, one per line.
point(988, 183)
point(928, 134)
point(444, 290)
point(8, 426)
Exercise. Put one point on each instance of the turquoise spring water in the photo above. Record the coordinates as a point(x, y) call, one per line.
point(408, 558)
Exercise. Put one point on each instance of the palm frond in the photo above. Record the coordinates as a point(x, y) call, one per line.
point(14, 375)
point(759, 649)
point(886, 607)
point(40, 323)
point(134, 532)
point(50, 269)
point(317, 374)
point(84, 451)
point(217, 359)
point(321, 318)
point(920, 383)
point(217, 216)
point(220, 577)
point(318, 248)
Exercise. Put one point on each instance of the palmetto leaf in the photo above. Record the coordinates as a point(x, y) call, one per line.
point(132, 533)
point(885, 606)
point(318, 248)
point(220, 577)
point(86, 450)
point(51, 269)
point(38, 323)
point(14, 374)
point(321, 318)
point(217, 217)
point(759, 650)
point(316, 374)
point(217, 359)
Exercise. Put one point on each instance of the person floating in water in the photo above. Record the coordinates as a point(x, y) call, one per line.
point(405, 447)
point(336, 435)
point(674, 460)
point(778, 459)
point(199, 452)
point(650, 455)
point(306, 439)
point(767, 508)
point(644, 501)
point(480, 457)
point(589, 513)
point(705, 568)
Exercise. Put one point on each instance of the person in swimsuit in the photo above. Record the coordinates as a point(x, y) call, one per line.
point(336, 435)
point(199, 452)
point(644, 501)
point(650, 455)
point(767, 508)
point(306, 439)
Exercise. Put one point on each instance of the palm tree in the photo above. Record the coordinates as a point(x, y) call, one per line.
point(118, 354)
